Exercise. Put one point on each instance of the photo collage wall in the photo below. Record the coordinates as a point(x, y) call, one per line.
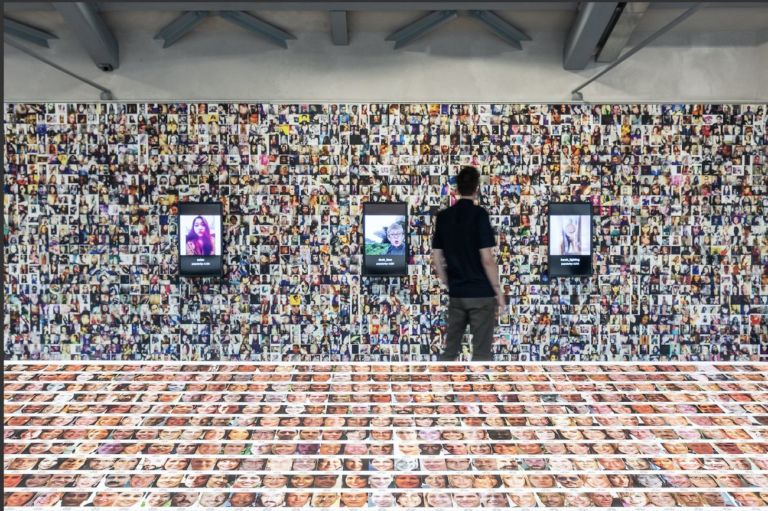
point(91, 257)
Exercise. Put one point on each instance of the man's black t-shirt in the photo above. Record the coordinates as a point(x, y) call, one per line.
point(461, 231)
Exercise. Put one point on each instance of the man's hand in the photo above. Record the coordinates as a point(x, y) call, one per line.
point(502, 305)
point(438, 263)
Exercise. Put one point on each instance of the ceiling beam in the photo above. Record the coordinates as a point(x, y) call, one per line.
point(258, 26)
point(622, 30)
point(308, 5)
point(420, 27)
point(27, 6)
point(180, 27)
point(26, 32)
point(105, 95)
point(576, 93)
point(502, 28)
point(587, 30)
point(356, 5)
point(340, 28)
point(94, 35)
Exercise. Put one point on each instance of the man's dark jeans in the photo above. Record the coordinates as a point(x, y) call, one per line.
point(480, 315)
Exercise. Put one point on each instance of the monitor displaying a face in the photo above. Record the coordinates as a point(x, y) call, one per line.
point(570, 239)
point(200, 239)
point(385, 247)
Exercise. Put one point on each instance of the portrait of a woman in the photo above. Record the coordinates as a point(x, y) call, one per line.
point(200, 240)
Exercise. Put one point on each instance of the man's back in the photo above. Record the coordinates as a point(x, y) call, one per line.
point(461, 231)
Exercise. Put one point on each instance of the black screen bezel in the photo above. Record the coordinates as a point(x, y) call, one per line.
point(366, 211)
point(590, 259)
point(203, 208)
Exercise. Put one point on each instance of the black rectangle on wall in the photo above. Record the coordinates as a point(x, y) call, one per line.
point(200, 239)
point(570, 239)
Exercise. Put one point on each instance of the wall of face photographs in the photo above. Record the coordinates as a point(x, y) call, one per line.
point(678, 192)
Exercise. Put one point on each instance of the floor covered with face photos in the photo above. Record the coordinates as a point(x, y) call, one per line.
point(147, 434)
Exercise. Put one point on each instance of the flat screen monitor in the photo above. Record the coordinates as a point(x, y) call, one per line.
point(385, 239)
point(200, 239)
point(570, 239)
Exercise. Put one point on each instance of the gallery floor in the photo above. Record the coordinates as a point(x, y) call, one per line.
point(460, 436)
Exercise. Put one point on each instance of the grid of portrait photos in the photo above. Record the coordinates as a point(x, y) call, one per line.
point(678, 194)
point(386, 435)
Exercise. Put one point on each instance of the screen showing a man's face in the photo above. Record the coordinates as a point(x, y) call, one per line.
point(396, 236)
point(384, 234)
point(385, 241)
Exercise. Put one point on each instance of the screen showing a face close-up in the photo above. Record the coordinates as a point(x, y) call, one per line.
point(201, 235)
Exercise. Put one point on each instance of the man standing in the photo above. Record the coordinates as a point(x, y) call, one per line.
point(462, 255)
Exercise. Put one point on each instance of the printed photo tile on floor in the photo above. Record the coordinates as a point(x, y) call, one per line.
point(453, 436)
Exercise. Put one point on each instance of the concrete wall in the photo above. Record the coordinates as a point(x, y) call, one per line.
point(717, 55)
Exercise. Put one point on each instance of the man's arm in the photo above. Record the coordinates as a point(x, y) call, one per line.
point(438, 263)
point(488, 261)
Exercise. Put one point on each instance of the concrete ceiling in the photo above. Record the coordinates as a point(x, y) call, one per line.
point(536, 16)
point(288, 17)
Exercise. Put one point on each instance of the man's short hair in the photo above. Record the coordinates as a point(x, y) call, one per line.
point(468, 180)
point(395, 227)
